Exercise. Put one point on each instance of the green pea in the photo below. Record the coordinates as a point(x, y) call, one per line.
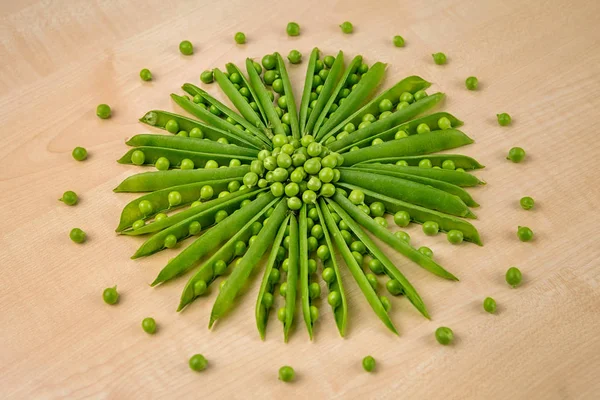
point(402, 105)
point(385, 105)
point(423, 128)
point(145, 207)
point(356, 197)
point(328, 189)
point(448, 164)
point(372, 281)
point(381, 221)
point(194, 228)
point(377, 209)
point(312, 166)
point(149, 325)
point(314, 290)
point(347, 27)
point(407, 97)
point(312, 267)
point(504, 119)
point(267, 300)
point(430, 228)
point(281, 313)
point(295, 57)
point(398, 41)
point(516, 155)
point(426, 251)
point(284, 160)
point(211, 164)
point(293, 29)
point(220, 216)
point(455, 236)
point(444, 335)
point(278, 88)
point(206, 192)
point(425, 163)
point(363, 68)
point(207, 77)
point(146, 75)
point(240, 38)
point(385, 302)
point(444, 123)
point(527, 203)
point(103, 111)
point(161, 216)
point(196, 133)
point(170, 241)
point(364, 208)
point(471, 83)
point(489, 305)
point(77, 235)
point(419, 95)
point(186, 48)
point(334, 298)
point(69, 198)
point(199, 287)
point(182, 133)
point(347, 236)
point(294, 203)
point(314, 313)
point(270, 77)
point(219, 267)
point(269, 62)
point(174, 198)
point(368, 363)
point(375, 266)
point(198, 363)
point(172, 126)
point(402, 236)
point(439, 58)
point(138, 224)
point(313, 243)
point(394, 287)
point(286, 373)
point(376, 141)
point(110, 295)
point(79, 153)
point(400, 135)
point(402, 218)
point(328, 275)
point(524, 234)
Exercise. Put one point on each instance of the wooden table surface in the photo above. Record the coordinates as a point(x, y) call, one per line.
point(537, 60)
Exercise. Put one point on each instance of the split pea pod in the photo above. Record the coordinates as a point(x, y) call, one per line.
point(356, 270)
point(263, 97)
point(291, 279)
point(304, 274)
point(232, 68)
point(176, 156)
point(241, 273)
point(458, 178)
point(408, 191)
point(459, 161)
point(288, 92)
point(421, 214)
point(351, 214)
point(213, 238)
point(308, 84)
point(156, 180)
point(226, 253)
point(190, 144)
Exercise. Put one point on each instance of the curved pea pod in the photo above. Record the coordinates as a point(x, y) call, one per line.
point(190, 144)
point(206, 218)
point(352, 214)
point(160, 200)
point(305, 101)
point(212, 239)
point(225, 253)
point(304, 275)
point(263, 97)
point(420, 214)
point(342, 83)
point(397, 117)
point(341, 311)
point(328, 86)
point(289, 95)
point(242, 271)
point(459, 161)
point(261, 311)
point(416, 145)
point(175, 156)
point(232, 68)
point(408, 191)
point(365, 88)
point(356, 270)
point(441, 185)
point(363, 138)
point(458, 178)
point(216, 121)
point(240, 101)
point(292, 279)
point(156, 180)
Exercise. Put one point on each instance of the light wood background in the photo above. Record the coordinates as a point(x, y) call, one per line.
point(537, 60)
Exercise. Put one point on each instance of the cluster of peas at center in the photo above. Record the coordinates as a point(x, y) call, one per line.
point(301, 170)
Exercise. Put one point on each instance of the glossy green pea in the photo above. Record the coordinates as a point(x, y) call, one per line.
point(398, 41)
point(269, 62)
point(220, 216)
point(472, 83)
point(295, 57)
point(267, 300)
point(174, 198)
point(293, 29)
point(448, 164)
point(312, 266)
point(195, 228)
point(394, 287)
point(328, 189)
point(347, 27)
point(328, 275)
point(294, 203)
point(426, 251)
point(364, 208)
point(444, 335)
point(138, 224)
point(527, 203)
point(385, 302)
point(211, 164)
point(240, 38)
point(375, 266)
point(376, 141)
point(402, 236)
point(282, 288)
point(110, 295)
point(146, 75)
point(186, 48)
point(357, 197)
point(170, 241)
point(103, 111)
point(524, 234)
point(200, 287)
point(377, 209)
point(372, 281)
point(69, 198)
point(455, 236)
point(314, 313)
point(323, 252)
point(149, 325)
point(79, 153)
point(198, 363)
point(439, 58)
point(423, 128)
point(425, 163)
point(161, 216)
point(430, 228)
point(516, 155)
point(313, 243)
point(207, 77)
point(402, 218)
point(334, 298)
point(420, 94)
point(368, 364)
point(444, 123)
point(402, 105)
point(77, 235)
point(489, 305)
point(401, 135)
point(286, 373)
point(504, 119)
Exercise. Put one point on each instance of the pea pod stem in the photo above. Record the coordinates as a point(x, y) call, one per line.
point(305, 101)
point(304, 274)
point(292, 279)
point(263, 97)
point(176, 156)
point(289, 95)
point(458, 178)
point(459, 160)
point(242, 271)
point(355, 269)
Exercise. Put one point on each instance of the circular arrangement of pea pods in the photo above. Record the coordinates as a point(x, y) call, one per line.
point(231, 192)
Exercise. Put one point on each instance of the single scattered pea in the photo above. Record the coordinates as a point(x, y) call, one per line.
point(524, 234)
point(398, 41)
point(513, 276)
point(207, 76)
point(444, 335)
point(347, 27)
point(149, 325)
point(286, 373)
point(368, 363)
point(186, 48)
point(69, 198)
point(295, 57)
point(527, 203)
point(439, 58)
point(504, 119)
point(77, 235)
point(79, 153)
point(110, 295)
point(103, 111)
point(198, 362)
point(240, 38)
point(516, 154)
point(472, 83)
point(292, 29)
point(489, 305)
point(146, 75)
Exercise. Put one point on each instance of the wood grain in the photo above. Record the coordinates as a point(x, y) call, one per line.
point(537, 60)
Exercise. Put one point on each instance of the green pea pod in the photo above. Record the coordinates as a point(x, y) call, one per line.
point(356, 270)
point(305, 102)
point(239, 101)
point(352, 214)
point(365, 88)
point(216, 121)
point(261, 312)
point(408, 191)
point(242, 271)
point(160, 118)
point(341, 311)
point(180, 229)
point(212, 239)
point(190, 144)
point(232, 68)
point(363, 138)
point(412, 84)
point(292, 279)
point(328, 86)
point(458, 178)
point(304, 275)
point(459, 160)
point(175, 157)
point(225, 253)
point(389, 268)
point(263, 97)
point(343, 82)
point(289, 95)
point(397, 117)
point(151, 181)
point(159, 200)
point(441, 185)
point(420, 214)
point(416, 145)
point(226, 112)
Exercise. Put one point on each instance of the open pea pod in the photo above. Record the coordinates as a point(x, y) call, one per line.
point(226, 253)
point(232, 68)
point(241, 273)
point(291, 279)
point(421, 214)
point(458, 178)
point(266, 286)
point(308, 85)
point(175, 156)
point(364, 89)
point(217, 121)
point(212, 239)
point(263, 97)
point(408, 191)
point(352, 214)
point(289, 95)
point(459, 160)
point(397, 117)
point(304, 274)
point(159, 200)
point(363, 138)
point(190, 144)
point(159, 119)
point(156, 180)
point(356, 270)
point(341, 311)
